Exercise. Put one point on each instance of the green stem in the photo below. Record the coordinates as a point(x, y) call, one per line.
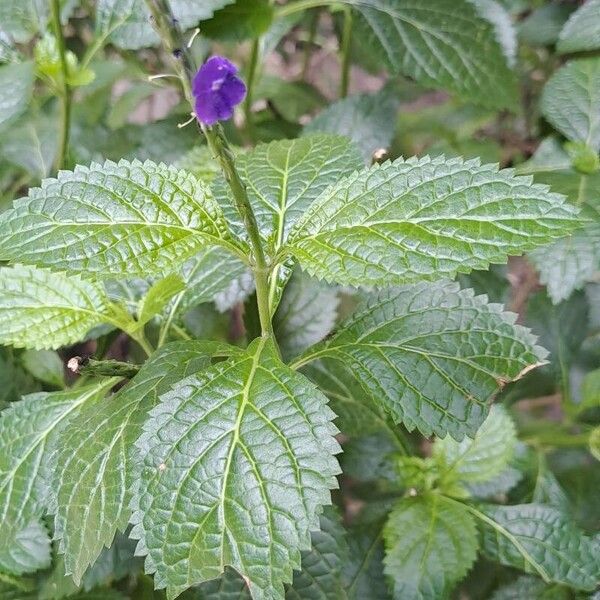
point(312, 34)
point(64, 92)
point(345, 52)
point(167, 28)
point(250, 81)
point(140, 337)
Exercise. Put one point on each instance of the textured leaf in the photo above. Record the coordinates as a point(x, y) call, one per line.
point(320, 577)
point(158, 296)
point(486, 455)
point(530, 588)
point(544, 24)
point(230, 586)
point(94, 462)
point(200, 163)
point(571, 101)
point(440, 43)
point(431, 543)
point(423, 219)
point(122, 219)
point(238, 461)
point(214, 275)
point(24, 18)
point(582, 30)
point(27, 551)
point(42, 309)
point(539, 539)
point(285, 177)
point(432, 355)
point(367, 119)
point(28, 430)
point(306, 314)
point(16, 85)
point(127, 22)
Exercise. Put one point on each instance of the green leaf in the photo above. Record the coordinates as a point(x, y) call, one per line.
point(431, 543)
point(432, 355)
point(238, 461)
point(500, 18)
point(24, 18)
point(200, 163)
point(441, 43)
point(16, 86)
point(367, 119)
point(582, 31)
point(486, 455)
point(42, 309)
point(530, 588)
point(27, 551)
point(567, 264)
point(214, 275)
point(363, 572)
point(122, 219)
point(571, 101)
point(285, 177)
point(230, 586)
point(423, 219)
point(126, 23)
point(321, 574)
point(306, 314)
point(544, 24)
point(292, 101)
point(93, 474)
point(158, 296)
point(28, 430)
point(15, 381)
point(45, 365)
point(239, 21)
point(590, 390)
point(539, 539)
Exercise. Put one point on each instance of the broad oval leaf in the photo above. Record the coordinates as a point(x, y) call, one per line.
point(42, 309)
point(238, 461)
point(440, 43)
point(582, 31)
point(432, 355)
point(93, 474)
point(486, 455)
point(28, 551)
point(424, 219)
point(28, 430)
point(540, 540)
point(571, 101)
point(431, 543)
point(123, 219)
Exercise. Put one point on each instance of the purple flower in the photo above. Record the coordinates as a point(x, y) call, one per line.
point(217, 90)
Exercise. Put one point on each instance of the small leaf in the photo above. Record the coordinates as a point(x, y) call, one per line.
point(582, 31)
point(28, 430)
point(431, 543)
point(530, 588)
point(122, 219)
point(93, 475)
point(423, 219)
point(485, 456)
point(16, 86)
point(432, 355)
point(42, 309)
point(539, 539)
point(306, 314)
point(440, 43)
point(571, 101)
point(158, 296)
point(45, 365)
point(238, 461)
